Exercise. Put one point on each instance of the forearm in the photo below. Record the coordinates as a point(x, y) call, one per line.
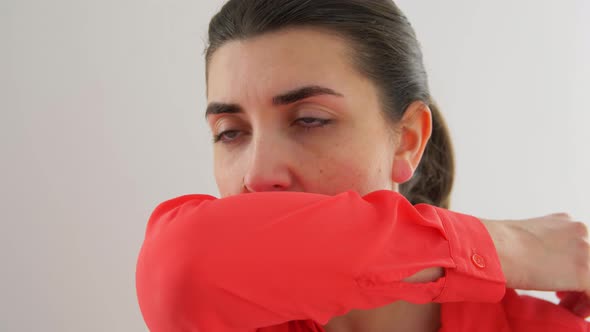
point(260, 259)
point(426, 275)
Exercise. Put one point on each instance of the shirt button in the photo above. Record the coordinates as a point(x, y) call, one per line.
point(478, 261)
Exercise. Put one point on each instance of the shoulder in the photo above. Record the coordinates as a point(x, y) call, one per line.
point(515, 313)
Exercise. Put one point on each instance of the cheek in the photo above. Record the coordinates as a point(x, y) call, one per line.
point(228, 175)
point(357, 166)
point(346, 168)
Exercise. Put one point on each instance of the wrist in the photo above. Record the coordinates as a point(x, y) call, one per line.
point(506, 244)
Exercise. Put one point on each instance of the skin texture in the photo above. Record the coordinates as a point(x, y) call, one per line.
point(268, 147)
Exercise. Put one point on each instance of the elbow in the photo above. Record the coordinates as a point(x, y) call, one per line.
point(167, 291)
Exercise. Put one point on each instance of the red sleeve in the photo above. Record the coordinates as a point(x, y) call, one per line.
point(261, 259)
point(528, 313)
point(515, 313)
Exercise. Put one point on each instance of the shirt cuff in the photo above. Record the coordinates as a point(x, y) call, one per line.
point(477, 276)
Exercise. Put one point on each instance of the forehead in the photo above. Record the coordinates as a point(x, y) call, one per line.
point(279, 61)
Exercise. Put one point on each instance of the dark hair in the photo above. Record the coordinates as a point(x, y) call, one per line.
point(385, 50)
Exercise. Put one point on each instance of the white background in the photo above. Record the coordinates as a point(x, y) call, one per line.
point(101, 118)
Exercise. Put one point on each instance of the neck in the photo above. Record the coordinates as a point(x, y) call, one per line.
point(396, 317)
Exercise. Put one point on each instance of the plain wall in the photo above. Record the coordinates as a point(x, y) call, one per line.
point(101, 118)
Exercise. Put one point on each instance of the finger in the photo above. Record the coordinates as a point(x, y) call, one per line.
point(564, 215)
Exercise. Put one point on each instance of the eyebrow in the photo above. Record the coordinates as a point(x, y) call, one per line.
point(287, 98)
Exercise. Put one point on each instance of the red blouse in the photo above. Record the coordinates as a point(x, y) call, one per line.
point(286, 261)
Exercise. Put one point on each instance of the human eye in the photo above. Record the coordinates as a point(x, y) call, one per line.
point(310, 122)
point(227, 136)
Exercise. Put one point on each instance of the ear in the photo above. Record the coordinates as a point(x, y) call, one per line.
point(415, 129)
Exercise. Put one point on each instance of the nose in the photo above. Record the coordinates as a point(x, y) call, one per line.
point(269, 168)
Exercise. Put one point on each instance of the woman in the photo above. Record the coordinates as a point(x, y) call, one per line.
point(321, 114)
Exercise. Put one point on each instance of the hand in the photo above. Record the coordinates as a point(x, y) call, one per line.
point(550, 253)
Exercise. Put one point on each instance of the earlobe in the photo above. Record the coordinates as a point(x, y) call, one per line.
point(402, 171)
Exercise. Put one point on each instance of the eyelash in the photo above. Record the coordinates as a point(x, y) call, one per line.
point(322, 123)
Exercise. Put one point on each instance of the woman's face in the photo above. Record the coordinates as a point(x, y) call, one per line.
point(290, 113)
